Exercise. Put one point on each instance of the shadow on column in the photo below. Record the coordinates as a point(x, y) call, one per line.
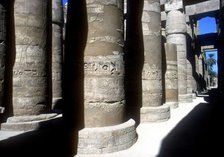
point(9, 59)
point(134, 59)
point(58, 137)
point(200, 133)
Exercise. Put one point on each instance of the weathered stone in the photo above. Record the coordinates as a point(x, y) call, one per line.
point(57, 26)
point(176, 34)
point(30, 68)
point(171, 76)
point(103, 64)
point(155, 114)
point(175, 26)
point(173, 5)
point(2, 52)
point(28, 123)
point(203, 7)
point(101, 140)
point(104, 98)
point(152, 88)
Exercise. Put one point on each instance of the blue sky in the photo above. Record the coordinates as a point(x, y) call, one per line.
point(208, 25)
point(64, 1)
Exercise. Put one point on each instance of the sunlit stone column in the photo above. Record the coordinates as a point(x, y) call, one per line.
point(57, 26)
point(2, 52)
point(104, 100)
point(30, 77)
point(176, 34)
point(152, 87)
point(171, 79)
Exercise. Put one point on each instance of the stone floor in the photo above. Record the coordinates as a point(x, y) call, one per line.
point(194, 129)
point(151, 135)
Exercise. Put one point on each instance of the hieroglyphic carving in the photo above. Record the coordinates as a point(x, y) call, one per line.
point(106, 65)
point(30, 67)
point(151, 72)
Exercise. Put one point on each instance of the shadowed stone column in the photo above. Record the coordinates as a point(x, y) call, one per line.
point(57, 26)
point(152, 88)
point(104, 100)
point(190, 61)
point(30, 95)
point(176, 34)
point(171, 78)
point(2, 52)
point(221, 51)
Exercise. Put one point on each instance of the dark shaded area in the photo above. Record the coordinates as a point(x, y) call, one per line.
point(221, 51)
point(164, 67)
point(134, 60)
point(208, 39)
point(200, 133)
point(52, 139)
point(58, 137)
point(73, 70)
point(10, 59)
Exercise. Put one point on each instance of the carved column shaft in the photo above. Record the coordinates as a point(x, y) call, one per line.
point(171, 78)
point(152, 86)
point(104, 65)
point(2, 52)
point(176, 34)
point(104, 97)
point(29, 71)
point(152, 70)
point(57, 26)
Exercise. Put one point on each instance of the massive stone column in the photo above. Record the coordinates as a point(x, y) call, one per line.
point(30, 73)
point(152, 87)
point(2, 52)
point(176, 34)
point(104, 100)
point(190, 62)
point(171, 78)
point(57, 49)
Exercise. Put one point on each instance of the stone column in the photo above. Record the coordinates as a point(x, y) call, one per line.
point(30, 77)
point(104, 100)
point(171, 79)
point(176, 34)
point(57, 37)
point(190, 63)
point(152, 87)
point(2, 52)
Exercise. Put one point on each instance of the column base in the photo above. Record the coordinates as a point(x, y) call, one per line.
point(172, 105)
point(155, 114)
point(27, 123)
point(185, 98)
point(109, 139)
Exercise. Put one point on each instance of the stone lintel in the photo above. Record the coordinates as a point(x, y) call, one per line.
point(28, 123)
point(155, 114)
point(203, 7)
point(185, 98)
point(101, 140)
